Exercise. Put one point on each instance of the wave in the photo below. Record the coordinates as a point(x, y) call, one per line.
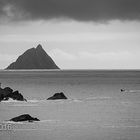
point(134, 90)
point(47, 122)
point(131, 91)
point(11, 122)
point(99, 98)
point(36, 102)
point(26, 122)
point(121, 126)
point(70, 100)
point(10, 100)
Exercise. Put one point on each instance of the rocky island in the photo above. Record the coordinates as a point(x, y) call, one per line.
point(57, 96)
point(34, 58)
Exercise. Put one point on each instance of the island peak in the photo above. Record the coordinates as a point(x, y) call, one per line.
point(39, 46)
point(34, 58)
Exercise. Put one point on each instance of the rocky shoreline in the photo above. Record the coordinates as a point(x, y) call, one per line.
point(8, 93)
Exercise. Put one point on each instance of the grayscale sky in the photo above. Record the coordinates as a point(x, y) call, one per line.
point(77, 34)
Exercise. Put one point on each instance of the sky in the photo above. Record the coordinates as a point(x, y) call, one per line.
point(77, 34)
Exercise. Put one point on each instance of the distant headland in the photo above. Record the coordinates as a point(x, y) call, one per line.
point(34, 58)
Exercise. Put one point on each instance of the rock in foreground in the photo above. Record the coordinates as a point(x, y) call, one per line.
point(57, 96)
point(7, 93)
point(24, 117)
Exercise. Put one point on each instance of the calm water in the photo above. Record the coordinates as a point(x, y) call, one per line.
point(96, 109)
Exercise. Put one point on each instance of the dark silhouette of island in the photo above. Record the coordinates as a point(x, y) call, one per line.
point(34, 58)
point(57, 96)
point(7, 93)
point(24, 117)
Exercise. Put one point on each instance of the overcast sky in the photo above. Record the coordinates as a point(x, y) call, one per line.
point(77, 34)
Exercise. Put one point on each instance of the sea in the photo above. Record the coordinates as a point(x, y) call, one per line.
point(96, 108)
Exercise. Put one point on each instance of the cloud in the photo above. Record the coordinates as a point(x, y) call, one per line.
point(7, 57)
point(92, 60)
point(106, 56)
point(81, 10)
point(59, 54)
point(108, 60)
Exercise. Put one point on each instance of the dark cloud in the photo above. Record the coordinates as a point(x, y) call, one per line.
point(83, 10)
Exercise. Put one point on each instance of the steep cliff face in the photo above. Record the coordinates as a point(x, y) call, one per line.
point(34, 58)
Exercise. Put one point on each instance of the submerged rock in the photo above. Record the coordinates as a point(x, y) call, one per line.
point(57, 96)
point(7, 93)
point(122, 90)
point(24, 117)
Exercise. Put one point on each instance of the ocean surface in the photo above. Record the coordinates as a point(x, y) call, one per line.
point(96, 108)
